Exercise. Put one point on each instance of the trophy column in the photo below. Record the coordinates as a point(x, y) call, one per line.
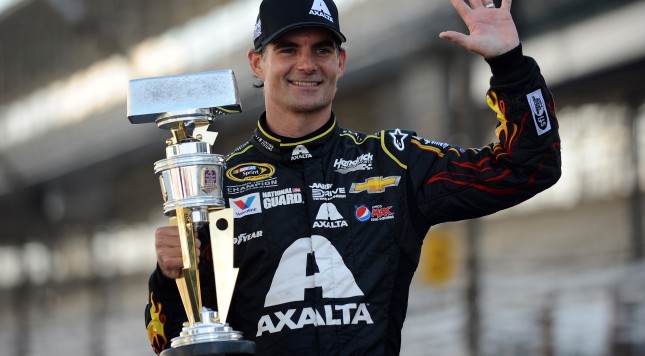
point(191, 179)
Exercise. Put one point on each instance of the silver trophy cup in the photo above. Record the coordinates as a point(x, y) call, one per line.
point(191, 179)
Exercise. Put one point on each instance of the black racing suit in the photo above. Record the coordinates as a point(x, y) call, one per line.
point(329, 227)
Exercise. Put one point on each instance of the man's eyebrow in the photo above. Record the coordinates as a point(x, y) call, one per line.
point(289, 44)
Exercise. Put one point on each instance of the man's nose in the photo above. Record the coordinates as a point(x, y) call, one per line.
point(307, 62)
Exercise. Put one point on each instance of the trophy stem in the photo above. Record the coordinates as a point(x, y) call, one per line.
point(222, 243)
point(188, 281)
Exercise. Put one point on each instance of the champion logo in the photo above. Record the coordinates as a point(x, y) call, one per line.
point(300, 152)
point(319, 8)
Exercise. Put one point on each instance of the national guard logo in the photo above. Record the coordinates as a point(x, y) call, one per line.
point(209, 179)
point(247, 172)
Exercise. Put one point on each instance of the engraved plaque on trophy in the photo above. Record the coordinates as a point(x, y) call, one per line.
point(191, 179)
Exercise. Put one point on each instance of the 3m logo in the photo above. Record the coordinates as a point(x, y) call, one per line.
point(291, 280)
point(246, 205)
point(539, 112)
point(375, 185)
point(319, 8)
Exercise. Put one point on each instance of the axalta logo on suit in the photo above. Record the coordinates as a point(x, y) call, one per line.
point(291, 280)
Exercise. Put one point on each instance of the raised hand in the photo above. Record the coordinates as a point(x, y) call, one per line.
point(492, 30)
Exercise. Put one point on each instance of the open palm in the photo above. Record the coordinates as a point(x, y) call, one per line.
point(492, 31)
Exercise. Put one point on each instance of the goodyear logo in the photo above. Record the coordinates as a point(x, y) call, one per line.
point(248, 172)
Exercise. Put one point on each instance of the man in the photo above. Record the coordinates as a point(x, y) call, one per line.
point(331, 224)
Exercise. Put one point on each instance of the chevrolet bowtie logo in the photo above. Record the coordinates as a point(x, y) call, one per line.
point(375, 185)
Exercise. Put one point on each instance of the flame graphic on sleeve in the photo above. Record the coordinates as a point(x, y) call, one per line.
point(156, 333)
point(507, 131)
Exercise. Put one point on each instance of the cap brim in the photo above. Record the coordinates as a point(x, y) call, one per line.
point(286, 29)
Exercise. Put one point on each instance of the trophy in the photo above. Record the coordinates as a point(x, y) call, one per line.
point(191, 180)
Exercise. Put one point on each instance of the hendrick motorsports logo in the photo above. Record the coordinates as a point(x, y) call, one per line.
point(362, 163)
point(251, 171)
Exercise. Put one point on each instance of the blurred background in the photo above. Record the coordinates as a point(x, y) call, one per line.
point(562, 274)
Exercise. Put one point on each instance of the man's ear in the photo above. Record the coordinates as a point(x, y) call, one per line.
point(342, 57)
point(255, 61)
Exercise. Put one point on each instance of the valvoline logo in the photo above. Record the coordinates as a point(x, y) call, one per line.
point(246, 205)
point(362, 213)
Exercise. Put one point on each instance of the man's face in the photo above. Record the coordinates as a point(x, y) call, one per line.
point(299, 70)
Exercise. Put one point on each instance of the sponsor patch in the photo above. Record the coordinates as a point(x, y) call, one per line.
point(375, 184)
point(319, 8)
point(427, 142)
point(362, 213)
point(243, 188)
point(266, 144)
point(326, 192)
point(292, 278)
point(244, 237)
point(398, 139)
point(251, 171)
point(376, 213)
point(287, 196)
point(539, 112)
point(329, 217)
point(257, 30)
point(300, 152)
point(246, 205)
point(328, 315)
point(362, 163)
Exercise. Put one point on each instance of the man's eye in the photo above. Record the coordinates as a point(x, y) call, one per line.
point(323, 51)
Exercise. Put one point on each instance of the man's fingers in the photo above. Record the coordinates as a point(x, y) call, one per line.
point(506, 5)
point(461, 7)
point(455, 37)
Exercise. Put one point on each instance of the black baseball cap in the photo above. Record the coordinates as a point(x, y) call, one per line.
point(279, 16)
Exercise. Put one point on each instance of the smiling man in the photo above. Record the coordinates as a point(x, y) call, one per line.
point(330, 222)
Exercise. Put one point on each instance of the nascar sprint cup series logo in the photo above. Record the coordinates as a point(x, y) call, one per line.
point(247, 172)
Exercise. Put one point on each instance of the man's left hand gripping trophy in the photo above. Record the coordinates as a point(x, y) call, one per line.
point(191, 180)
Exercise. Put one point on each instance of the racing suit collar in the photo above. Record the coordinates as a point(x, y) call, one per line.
point(294, 149)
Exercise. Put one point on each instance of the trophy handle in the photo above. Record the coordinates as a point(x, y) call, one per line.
point(188, 281)
point(221, 229)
